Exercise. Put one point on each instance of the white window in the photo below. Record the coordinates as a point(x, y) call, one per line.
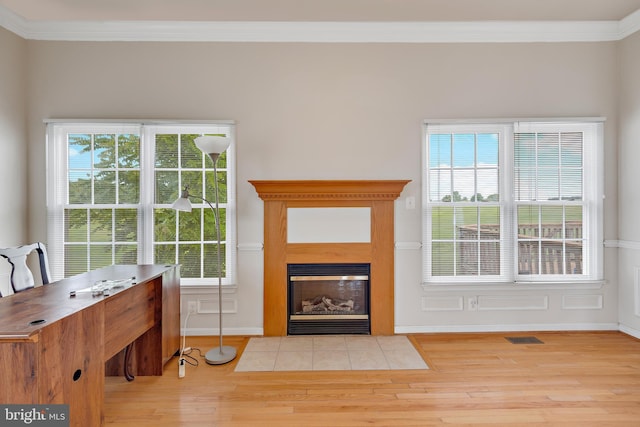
point(512, 202)
point(110, 188)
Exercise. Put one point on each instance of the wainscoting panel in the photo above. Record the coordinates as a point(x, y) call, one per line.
point(636, 290)
point(513, 302)
point(453, 303)
point(207, 306)
point(582, 302)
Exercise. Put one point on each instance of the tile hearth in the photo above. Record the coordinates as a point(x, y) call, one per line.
point(329, 353)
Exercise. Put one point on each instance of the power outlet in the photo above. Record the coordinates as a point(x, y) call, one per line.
point(472, 303)
point(192, 307)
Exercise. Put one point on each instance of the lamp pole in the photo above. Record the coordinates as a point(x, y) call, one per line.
point(222, 354)
point(212, 146)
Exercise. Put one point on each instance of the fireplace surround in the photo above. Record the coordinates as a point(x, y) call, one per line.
point(378, 252)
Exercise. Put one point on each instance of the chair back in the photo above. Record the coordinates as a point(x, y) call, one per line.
point(21, 275)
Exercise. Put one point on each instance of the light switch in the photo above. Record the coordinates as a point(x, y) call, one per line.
point(410, 202)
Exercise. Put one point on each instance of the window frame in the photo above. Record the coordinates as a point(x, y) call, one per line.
point(57, 198)
point(593, 193)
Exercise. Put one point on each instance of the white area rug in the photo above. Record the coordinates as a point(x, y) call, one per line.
point(329, 353)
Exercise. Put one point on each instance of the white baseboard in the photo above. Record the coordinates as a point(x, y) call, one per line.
point(446, 329)
point(227, 331)
point(630, 331)
point(508, 328)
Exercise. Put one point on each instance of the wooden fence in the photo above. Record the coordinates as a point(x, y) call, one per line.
point(544, 254)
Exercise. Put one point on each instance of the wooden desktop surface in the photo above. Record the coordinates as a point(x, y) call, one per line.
point(55, 348)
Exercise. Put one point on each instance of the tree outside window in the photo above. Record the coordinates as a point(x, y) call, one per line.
point(112, 186)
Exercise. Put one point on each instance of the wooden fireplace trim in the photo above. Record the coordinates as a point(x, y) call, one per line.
point(278, 196)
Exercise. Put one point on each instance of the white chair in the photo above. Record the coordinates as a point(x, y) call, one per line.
point(21, 276)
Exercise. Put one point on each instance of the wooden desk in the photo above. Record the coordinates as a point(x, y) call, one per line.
point(56, 349)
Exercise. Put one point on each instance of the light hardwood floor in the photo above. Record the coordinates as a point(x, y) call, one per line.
point(573, 379)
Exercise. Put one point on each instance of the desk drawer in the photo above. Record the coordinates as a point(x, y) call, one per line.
point(128, 315)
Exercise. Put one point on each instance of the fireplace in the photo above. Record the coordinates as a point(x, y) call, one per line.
point(328, 299)
point(280, 197)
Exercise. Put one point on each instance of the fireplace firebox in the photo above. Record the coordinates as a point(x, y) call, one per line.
point(328, 299)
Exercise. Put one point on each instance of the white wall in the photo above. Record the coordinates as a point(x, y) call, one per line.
point(13, 146)
point(341, 111)
point(628, 176)
point(13, 139)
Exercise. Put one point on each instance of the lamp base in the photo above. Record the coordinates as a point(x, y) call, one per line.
point(220, 355)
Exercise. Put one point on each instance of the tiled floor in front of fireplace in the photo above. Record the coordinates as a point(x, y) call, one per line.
point(329, 353)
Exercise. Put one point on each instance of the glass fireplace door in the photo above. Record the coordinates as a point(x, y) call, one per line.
point(328, 299)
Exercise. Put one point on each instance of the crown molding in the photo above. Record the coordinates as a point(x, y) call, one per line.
point(323, 32)
point(12, 22)
point(629, 25)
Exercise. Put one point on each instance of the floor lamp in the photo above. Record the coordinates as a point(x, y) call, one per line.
point(213, 146)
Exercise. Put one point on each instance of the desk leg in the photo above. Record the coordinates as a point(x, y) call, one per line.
point(71, 365)
point(19, 367)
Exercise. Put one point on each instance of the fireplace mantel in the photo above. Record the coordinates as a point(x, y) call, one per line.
point(378, 195)
point(329, 190)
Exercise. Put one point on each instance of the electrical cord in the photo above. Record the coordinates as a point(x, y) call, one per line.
point(188, 358)
point(184, 335)
point(185, 352)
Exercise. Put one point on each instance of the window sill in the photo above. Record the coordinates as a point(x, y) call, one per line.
point(512, 286)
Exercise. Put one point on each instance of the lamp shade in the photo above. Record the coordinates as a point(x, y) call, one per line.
point(182, 203)
point(212, 144)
